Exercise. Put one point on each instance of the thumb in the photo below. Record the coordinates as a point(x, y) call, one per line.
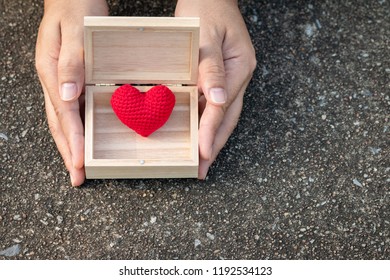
point(212, 75)
point(71, 65)
point(213, 85)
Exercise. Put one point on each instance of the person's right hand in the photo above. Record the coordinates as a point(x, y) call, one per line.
point(60, 66)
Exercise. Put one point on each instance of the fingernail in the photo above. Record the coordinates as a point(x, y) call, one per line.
point(218, 95)
point(68, 91)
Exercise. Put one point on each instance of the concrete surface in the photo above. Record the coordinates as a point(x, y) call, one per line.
point(304, 176)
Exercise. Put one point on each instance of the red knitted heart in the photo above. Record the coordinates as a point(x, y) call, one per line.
point(143, 112)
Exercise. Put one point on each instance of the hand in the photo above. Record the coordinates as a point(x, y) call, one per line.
point(226, 64)
point(60, 66)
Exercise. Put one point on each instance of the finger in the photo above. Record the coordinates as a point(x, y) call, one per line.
point(71, 80)
point(77, 175)
point(238, 76)
point(213, 85)
point(67, 112)
point(223, 132)
point(209, 123)
point(212, 72)
point(71, 62)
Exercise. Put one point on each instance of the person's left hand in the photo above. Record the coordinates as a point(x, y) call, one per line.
point(226, 64)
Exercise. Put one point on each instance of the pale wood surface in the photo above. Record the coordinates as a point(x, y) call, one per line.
point(138, 50)
point(167, 22)
point(171, 151)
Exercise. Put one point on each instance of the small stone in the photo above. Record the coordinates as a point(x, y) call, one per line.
point(265, 71)
point(3, 136)
point(24, 133)
point(60, 219)
point(254, 18)
point(323, 117)
point(374, 150)
point(309, 30)
point(11, 251)
point(153, 219)
point(210, 236)
point(17, 218)
point(318, 24)
point(357, 183)
point(197, 243)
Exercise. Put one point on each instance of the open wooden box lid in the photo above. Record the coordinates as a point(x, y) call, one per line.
point(139, 50)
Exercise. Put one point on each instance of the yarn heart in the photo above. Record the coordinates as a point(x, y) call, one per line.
point(143, 112)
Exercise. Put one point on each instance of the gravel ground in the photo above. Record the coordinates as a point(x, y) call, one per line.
point(305, 174)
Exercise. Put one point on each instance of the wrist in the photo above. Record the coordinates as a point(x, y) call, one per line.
point(86, 7)
point(207, 2)
point(205, 9)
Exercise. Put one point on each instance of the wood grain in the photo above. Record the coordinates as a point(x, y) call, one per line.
point(108, 140)
point(122, 50)
point(137, 50)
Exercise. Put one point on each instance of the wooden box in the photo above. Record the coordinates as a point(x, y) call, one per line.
point(145, 52)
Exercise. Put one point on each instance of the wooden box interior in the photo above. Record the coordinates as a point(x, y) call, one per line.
point(115, 151)
point(112, 150)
